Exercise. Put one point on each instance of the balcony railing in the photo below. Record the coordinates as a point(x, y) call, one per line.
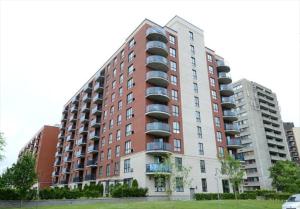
point(157, 48)
point(95, 123)
point(92, 148)
point(98, 87)
point(224, 78)
point(75, 100)
point(159, 146)
point(83, 130)
point(79, 166)
point(81, 142)
point(93, 136)
point(70, 138)
point(234, 142)
point(96, 111)
point(157, 110)
point(86, 98)
point(85, 108)
point(156, 33)
point(158, 128)
point(158, 168)
point(222, 66)
point(159, 78)
point(71, 128)
point(66, 170)
point(87, 88)
point(92, 162)
point(77, 179)
point(90, 177)
point(67, 159)
point(157, 62)
point(226, 90)
point(231, 128)
point(229, 115)
point(157, 94)
point(84, 119)
point(74, 109)
point(80, 154)
point(97, 98)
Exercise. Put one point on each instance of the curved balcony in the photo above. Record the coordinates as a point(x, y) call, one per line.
point(91, 163)
point(158, 168)
point(222, 67)
point(158, 129)
point(158, 111)
point(158, 148)
point(156, 33)
point(93, 136)
point(74, 109)
point(229, 115)
point(70, 138)
point(92, 149)
point(226, 90)
point(67, 159)
point(95, 123)
point(81, 142)
point(157, 94)
point(234, 143)
point(158, 78)
point(86, 98)
point(98, 98)
point(231, 129)
point(80, 154)
point(157, 62)
point(87, 88)
point(224, 78)
point(83, 130)
point(157, 48)
point(96, 111)
point(85, 108)
point(98, 87)
point(90, 177)
point(228, 102)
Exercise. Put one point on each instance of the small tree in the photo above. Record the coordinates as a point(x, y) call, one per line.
point(232, 168)
point(285, 176)
point(6, 179)
point(2, 145)
point(135, 183)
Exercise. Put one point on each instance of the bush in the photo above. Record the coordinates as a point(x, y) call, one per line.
point(9, 194)
point(135, 183)
point(119, 190)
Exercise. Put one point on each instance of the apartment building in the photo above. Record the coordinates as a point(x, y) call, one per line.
point(43, 146)
point(292, 134)
point(261, 132)
point(151, 102)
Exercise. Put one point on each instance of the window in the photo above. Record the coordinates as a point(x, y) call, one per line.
point(210, 69)
point(176, 128)
point(174, 95)
point(119, 120)
point(130, 83)
point(195, 87)
point(172, 52)
point(209, 58)
point(129, 98)
point(194, 74)
point(110, 138)
point(215, 107)
point(122, 67)
point(109, 154)
point(160, 184)
point(202, 166)
point(131, 56)
point(103, 128)
point(177, 145)
point(105, 114)
point(198, 116)
point(193, 61)
point(131, 43)
point(117, 168)
point(219, 136)
point(172, 39)
point(213, 94)
point(101, 156)
point(128, 129)
point(173, 79)
point(108, 170)
point(118, 135)
point(121, 78)
point(127, 147)
point(117, 151)
point(120, 91)
point(100, 171)
point(175, 110)
point(122, 53)
point(200, 149)
point(204, 185)
point(217, 121)
point(192, 49)
point(129, 113)
point(179, 184)
point(113, 84)
point(113, 96)
point(127, 166)
point(178, 163)
point(196, 99)
point(221, 152)
point(111, 123)
point(212, 81)
point(103, 142)
point(191, 34)
point(173, 65)
point(199, 132)
point(114, 72)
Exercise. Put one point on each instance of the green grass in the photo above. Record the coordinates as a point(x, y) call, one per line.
point(213, 204)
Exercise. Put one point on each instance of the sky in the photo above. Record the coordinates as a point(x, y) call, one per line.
point(49, 49)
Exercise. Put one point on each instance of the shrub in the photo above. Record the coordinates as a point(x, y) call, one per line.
point(135, 183)
point(119, 190)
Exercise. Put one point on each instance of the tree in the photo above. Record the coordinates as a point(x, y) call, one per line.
point(135, 183)
point(2, 145)
point(232, 168)
point(285, 176)
point(6, 180)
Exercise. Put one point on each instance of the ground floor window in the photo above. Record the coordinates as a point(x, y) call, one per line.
point(179, 184)
point(160, 184)
point(225, 185)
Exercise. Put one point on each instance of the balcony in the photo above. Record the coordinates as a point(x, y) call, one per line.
point(67, 159)
point(69, 148)
point(91, 163)
point(83, 130)
point(85, 108)
point(96, 110)
point(229, 115)
point(66, 170)
point(226, 90)
point(59, 145)
point(222, 67)
point(157, 168)
point(61, 135)
point(157, 62)
point(73, 118)
point(58, 154)
point(77, 179)
point(234, 143)
point(224, 78)
point(57, 162)
point(72, 128)
point(99, 76)
point(70, 138)
point(98, 87)
point(84, 119)
point(157, 94)
point(158, 129)
point(74, 109)
point(90, 177)
point(228, 102)
point(65, 110)
point(158, 78)
point(231, 129)
point(92, 149)
point(98, 98)
point(80, 154)
point(93, 136)
point(156, 33)
point(86, 98)
point(64, 181)
point(239, 156)
point(87, 88)
point(158, 148)
point(64, 118)
point(157, 48)
point(95, 123)
point(158, 111)
point(81, 142)
point(75, 100)
point(55, 173)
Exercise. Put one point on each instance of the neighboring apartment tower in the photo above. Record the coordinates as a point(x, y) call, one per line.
point(293, 140)
point(261, 132)
point(150, 102)
point(43, 147)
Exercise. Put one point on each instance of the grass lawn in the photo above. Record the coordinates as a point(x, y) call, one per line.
point(213, 204)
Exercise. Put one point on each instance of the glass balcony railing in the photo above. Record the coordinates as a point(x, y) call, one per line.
point(96, 110)
point(157, 168)
point(229, 115)
point(157, 62)
point(94, 136)
point(92, 148)
point(87, 88)
point(226, 90)
point(159, 78)
point(158, 128)
point(158, 146)
point(90, 177)
point(233, 142)
point(98, 87)
point(74, 109)
point(156, 33)
point(92, 162)
point(86, 98)
point(77, 179)
point(97, 98)
point(157, 111)
point(222, 66)
point(83, 130)
point(157, 93)
point(224, 78)
point(81, 141)
point(231, 128)
point(157, 48)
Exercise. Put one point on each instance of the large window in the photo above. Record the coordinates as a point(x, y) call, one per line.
point(120, 105)
point(129, 98)
point(202, 166)
point(119, 120)
point(127, 166)
point(196, 99)
point(160, 184)
point(191, 35)
point(129, 113)
point(172, 39)
point(177, 145)
point(128, 129)
point(130, 70)
point(198, 116)
point(173, 52)
point(113, 84)
point(118, 135)
point(221, 152)
point(215, 107)
point(193, 61)
point(210, 69)
point(117, 168)
point(195, 87)
point(174, 79)
point(117, 151)
point(212, 82)
point(209, 58)
point(121, 91)
point(199, 132)
point(194, 74)
point(109, 154)
point(200, 149)
point(108, 170)
point(175, 110)
point(219, 136)
point(217, 122)
point(110, 138)
point(179, 184)
point(204, 185)
point(127, 147)
point(174, 95)
point(130, 56)
point(131, 43)
point(130, 83)
point(192, 49)
point(176, 128)
point(213, 94)
point(178, 163)
point(173, 65)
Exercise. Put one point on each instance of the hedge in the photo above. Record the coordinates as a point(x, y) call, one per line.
point(124, 190)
